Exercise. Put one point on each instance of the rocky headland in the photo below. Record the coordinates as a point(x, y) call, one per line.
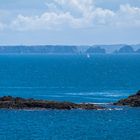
point(132, 101)
point(9, 102)
point(125, 50)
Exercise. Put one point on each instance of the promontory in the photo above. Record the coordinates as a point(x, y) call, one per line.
point(9, 102)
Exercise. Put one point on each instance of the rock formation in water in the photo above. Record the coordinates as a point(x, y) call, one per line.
point(9, 102)
point(96, 50)
point(133, 101)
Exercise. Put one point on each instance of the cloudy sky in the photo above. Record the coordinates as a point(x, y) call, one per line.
point(79, 22)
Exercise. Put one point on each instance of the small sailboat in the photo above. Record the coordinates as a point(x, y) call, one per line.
point(88, 56)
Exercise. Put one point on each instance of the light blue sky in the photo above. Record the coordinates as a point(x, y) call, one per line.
point(79, 22)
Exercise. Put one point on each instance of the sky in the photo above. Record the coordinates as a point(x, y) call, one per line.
point(69, 22)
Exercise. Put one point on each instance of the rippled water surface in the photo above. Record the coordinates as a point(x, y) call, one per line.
point(99, 79)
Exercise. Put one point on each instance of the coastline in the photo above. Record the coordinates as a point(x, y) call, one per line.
point(18, 103)
point(9, 102)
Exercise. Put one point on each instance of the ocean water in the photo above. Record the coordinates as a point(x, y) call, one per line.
point(97, 79)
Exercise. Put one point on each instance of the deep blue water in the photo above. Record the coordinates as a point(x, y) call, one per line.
point(99, 79)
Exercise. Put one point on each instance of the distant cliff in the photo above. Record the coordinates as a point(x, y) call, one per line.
point(39, 49)
point(138, 51)
point(97, 50)
point(125, 49)
point(65, 49)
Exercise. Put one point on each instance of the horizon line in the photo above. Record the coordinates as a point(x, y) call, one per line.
point(5, 45)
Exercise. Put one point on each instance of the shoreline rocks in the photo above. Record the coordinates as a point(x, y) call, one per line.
point(9, 102)
point(132, 101)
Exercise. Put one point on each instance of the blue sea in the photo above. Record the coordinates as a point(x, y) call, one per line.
point(100, 79)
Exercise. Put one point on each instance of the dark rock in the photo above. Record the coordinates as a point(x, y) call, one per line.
point(6, 98)
point(9, 102)
point(133, 101)
point(138, 93)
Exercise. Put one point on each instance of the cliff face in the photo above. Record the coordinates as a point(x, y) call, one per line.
point(96, 50)
point(39, 49)
point(65, 49)
point(61, 49)
point(138, 51)
point(133, 101)
point(125, 49)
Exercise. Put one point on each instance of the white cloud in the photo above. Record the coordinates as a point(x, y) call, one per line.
point(127, 16)
point(46, 21)
point(77, 14)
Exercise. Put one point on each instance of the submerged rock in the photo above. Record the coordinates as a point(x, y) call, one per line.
point(133, 101)
point(9, 102)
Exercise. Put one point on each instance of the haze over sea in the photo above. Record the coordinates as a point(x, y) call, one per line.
point(77, 78)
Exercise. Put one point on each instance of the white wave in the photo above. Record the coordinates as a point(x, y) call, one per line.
point(100, 94)
point(47, 95)
point(118, 108)
point(114, 95)
point(97, 103)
